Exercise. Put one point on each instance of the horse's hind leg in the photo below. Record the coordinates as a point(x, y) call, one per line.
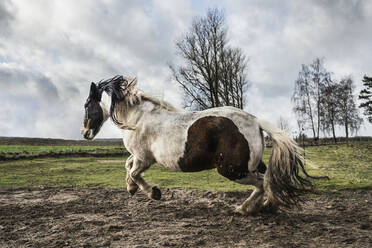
point(269, 205)
point(135, 175)
point(132, 187)
point(254, 202)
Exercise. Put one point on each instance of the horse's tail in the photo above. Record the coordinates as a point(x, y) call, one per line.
point(282, 182)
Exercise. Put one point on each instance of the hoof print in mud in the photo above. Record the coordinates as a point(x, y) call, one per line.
point(155, 193)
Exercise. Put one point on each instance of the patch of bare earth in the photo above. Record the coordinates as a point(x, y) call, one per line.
point(75, 217)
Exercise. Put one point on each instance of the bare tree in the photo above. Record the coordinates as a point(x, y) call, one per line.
point(330, 107)
point(302, 98)
point(213, 74)
point(349, 116)
point(320, 76)
point(307, 94)
point(233, 78)
point(300, 126)
point(366, 96)
point(283, 124)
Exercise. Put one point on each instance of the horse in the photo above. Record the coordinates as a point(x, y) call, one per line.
point(227, 139)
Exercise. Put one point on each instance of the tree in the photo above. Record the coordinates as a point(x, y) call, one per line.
point(349, 116)
point(320, 76)
point(330, 107)
point(302, 98)
point(213, 74)
point(366, 96)
point(307, 94)
point(283, 124)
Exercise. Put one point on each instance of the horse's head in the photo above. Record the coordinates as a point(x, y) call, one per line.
point(117, 90)
point(94, 113)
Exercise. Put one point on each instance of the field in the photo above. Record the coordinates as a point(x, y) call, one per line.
point(67, 196)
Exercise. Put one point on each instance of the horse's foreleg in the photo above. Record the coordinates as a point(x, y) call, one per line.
point(132, 187)
point(135, 175)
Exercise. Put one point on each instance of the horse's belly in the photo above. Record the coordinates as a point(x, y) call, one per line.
point(215, 142)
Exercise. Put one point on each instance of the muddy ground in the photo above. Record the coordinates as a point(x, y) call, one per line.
point(75, 217)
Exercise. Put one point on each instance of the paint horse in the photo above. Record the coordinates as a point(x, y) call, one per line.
point(225, 138)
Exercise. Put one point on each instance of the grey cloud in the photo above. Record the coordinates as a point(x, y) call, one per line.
point(278, 39)
point(32, 106)
point(6, 16)
point(275, 89)
point(348, 10)
point(47, 88)
point(19, 80)
point(91, 40)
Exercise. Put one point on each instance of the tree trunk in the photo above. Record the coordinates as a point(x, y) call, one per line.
point(318, 114)
point(311, 116)
point(333, 132)
point(347, 130)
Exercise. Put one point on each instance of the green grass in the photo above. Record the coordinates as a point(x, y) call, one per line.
point(204, 180)
point(101, 172)
point(74, 171)
point(348, 166)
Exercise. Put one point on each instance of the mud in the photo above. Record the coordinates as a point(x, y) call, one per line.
point(75, 217)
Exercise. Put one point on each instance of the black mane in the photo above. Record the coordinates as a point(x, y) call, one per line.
point(114, 87)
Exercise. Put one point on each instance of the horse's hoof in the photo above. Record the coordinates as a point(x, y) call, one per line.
point(132, 190)
point(244, 211)
point(155, 193)
point(241, 210)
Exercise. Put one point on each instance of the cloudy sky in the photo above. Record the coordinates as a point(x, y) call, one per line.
point(50, 51)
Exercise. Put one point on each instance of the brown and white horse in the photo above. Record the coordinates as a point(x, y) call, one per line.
point(225, 138)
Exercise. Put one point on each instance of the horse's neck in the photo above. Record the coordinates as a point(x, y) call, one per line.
point(131, 115)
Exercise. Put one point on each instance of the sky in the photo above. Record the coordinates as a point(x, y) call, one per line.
point(50, 51)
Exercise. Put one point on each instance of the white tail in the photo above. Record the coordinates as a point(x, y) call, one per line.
point(282, 181)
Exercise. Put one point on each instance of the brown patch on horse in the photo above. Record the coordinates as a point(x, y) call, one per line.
point(215, 142)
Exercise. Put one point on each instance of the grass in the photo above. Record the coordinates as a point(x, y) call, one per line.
point(348, 166)
point(100, 172)
point(76, 171)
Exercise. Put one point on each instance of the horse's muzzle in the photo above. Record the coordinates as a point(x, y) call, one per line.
point(88, 134)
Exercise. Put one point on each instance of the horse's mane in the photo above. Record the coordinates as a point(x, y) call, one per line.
point(121, 89)
point(162, 104)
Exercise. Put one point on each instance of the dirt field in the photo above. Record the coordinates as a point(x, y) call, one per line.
point(74, 217)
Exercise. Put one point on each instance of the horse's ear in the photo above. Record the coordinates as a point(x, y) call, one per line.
point(94, 93)
point(93, 88)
